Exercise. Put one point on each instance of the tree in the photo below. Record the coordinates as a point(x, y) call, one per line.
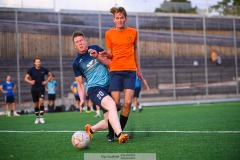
point(176, 6)
point(227, 7)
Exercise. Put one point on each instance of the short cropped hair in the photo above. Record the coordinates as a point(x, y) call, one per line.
point(36, 59)
point(76, 34)
point(114, 10)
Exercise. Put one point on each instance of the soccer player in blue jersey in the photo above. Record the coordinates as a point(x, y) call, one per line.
point(92, 67)
point(76, 95)
point(8, 88)
point(137, 90)
point(51, 90)
point(35, 76)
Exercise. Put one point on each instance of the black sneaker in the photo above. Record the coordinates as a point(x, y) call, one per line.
point(140, 110)
point(110, 138)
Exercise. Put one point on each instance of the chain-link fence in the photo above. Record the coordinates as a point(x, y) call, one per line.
point(175, 50)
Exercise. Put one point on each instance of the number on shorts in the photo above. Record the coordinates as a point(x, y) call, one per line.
point(100, 95)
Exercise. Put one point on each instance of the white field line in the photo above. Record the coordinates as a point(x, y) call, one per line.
point(190, 132)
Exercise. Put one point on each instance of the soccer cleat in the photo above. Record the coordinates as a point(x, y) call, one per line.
point(141, 109)
point(88, 111)
point(41, 120)
point(8, 113)
point(134, 109)
point(97, 115)
point(110, 138)
point(87, 129)
point(37, 121)
point(16, 114)
point(123, 138)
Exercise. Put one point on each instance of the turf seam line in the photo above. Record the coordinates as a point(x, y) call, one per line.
point(196, 132)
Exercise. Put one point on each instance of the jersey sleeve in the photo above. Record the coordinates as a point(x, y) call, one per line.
point(77, 71)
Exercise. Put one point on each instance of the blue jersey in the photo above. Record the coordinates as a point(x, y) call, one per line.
point(74, 85)
point(51, 86)
point(138, 83)
point(8, 86)
point(94, 71)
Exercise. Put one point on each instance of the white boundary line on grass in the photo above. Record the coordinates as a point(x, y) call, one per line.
point(196, 132)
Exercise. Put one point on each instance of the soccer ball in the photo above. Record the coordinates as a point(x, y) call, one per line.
point(80, 140)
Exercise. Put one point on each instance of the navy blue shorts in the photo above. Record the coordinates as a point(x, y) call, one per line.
point(120, 80)
point(9, 99)
point(137, 92)
point(96, 94)
point(77, 98)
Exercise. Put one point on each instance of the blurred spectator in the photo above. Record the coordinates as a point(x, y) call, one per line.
point(51, 87)
point(215, 57)
point(8, 88)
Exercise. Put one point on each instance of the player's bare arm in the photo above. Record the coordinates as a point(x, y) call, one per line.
point(139, 72)
point(101, 56)
point(27, 79)
point(81, 91)
point(48, 79)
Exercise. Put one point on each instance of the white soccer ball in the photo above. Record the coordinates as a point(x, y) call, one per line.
point(80, 140)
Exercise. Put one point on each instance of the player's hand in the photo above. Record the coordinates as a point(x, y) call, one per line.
point(93, 53)
point(105, 54)
point(44, 83)
point(139, 74)
point(32, 82)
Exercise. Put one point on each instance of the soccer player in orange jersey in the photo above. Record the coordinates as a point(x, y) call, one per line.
point(121, 44)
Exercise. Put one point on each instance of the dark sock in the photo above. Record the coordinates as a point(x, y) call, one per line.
point(123, 121)
point(110, 130)
point(91, 131)
point(41, 110)
point(119, 135)
point(37, 112)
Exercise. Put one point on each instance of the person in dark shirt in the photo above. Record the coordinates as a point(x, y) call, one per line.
point(35, 76)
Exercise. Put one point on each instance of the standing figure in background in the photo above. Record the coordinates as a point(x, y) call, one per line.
point(35, 76)
point(88, 102)
point(76, 95)
point(51, 89)
point(8, 89)
point(138, 86)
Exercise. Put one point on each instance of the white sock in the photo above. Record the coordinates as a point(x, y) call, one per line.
point(139, 107)
point(134, 108)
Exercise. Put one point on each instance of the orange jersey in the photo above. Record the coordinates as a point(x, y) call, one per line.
point(122, 45)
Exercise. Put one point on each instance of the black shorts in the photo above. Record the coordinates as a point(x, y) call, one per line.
point(37, 94)
point(9, 99)
point(137, 92)
point(51, 97)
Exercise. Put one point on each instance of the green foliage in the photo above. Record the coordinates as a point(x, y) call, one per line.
point(227, 7)
point(178, 9)
point(52, 140)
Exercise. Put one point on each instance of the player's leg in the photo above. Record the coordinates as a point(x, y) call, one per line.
point(129, 86)
point(41, 104)
point(134, 103)
point(8, 111)
point(35, 100)
point(98, 111)
point(100, 97)
point(14, 109)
